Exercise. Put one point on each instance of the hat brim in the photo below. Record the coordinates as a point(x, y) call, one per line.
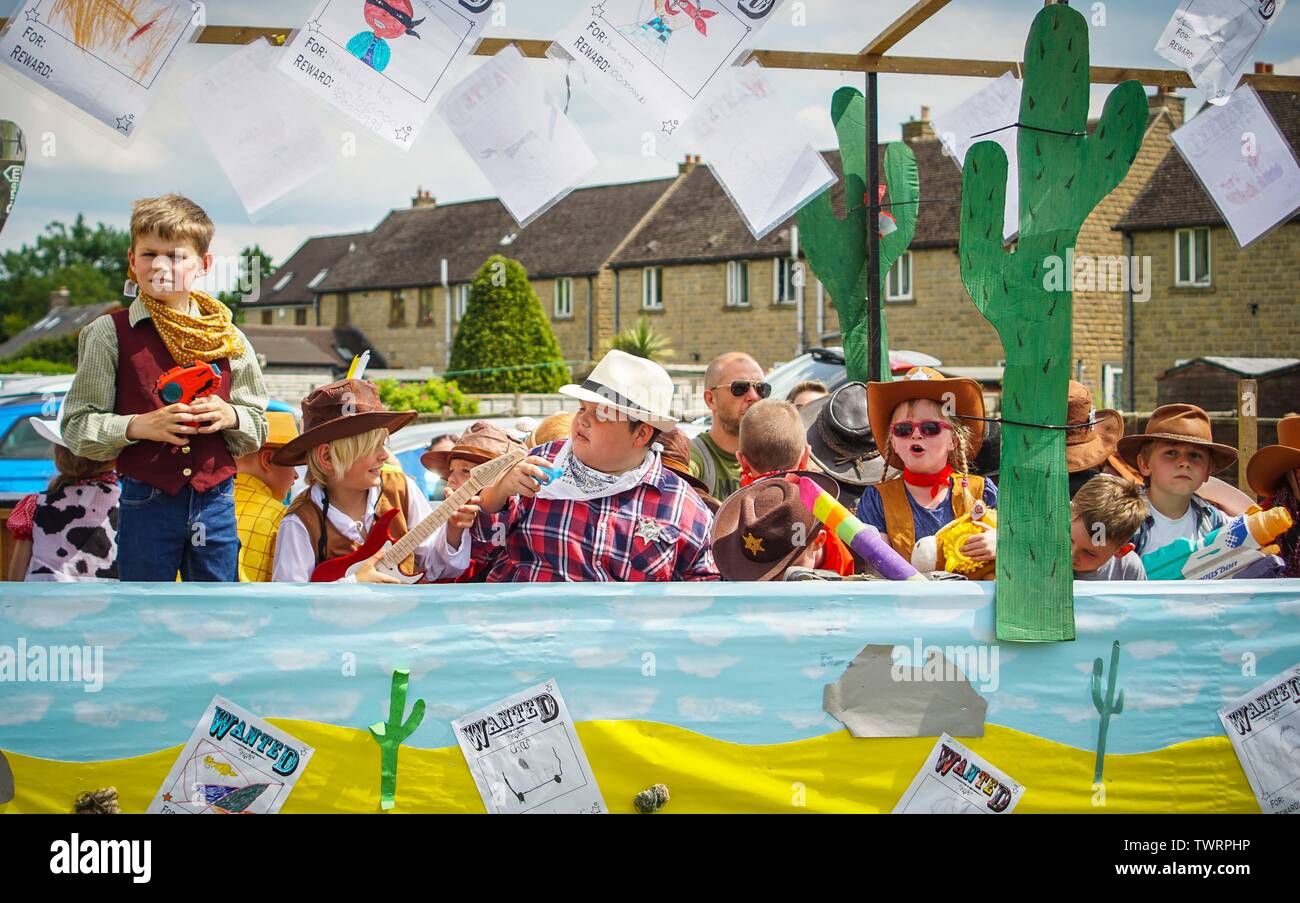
point(440, 461)
point(882, 398)
point(861, 472)
point(295, 451)
point(49, 430)
point(726, 543)
point(1269, 465)
point(1221, 456)
point(1107, 431)
point(658, 421)
point(685, 475)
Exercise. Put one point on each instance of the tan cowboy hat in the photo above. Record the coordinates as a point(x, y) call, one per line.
point(481, 443)
point(1270, 464)
point(638, 388)
point(752, 537)
point(676, 456)
point(1179, 423)
point(556, 426)
point(1089, 446)
point(925, 382)
point(348, 407)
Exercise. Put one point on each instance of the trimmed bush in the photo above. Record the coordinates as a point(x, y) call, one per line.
point(429, 397)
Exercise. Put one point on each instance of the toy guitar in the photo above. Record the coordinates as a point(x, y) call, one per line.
point(397, 551)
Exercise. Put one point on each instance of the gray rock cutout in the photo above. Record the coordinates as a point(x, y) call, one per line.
point(873, 698)
point(6, 781)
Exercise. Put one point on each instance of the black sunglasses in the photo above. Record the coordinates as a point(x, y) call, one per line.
point(739, 387)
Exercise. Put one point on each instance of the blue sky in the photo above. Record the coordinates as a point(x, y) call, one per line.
point(92, 174)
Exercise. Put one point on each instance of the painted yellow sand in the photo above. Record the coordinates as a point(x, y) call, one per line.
point(832, 773)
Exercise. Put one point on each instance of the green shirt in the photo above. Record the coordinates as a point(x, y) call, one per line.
point(718, 468)
point(93, 430)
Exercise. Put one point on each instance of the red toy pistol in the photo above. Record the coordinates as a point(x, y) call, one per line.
point(181, 385)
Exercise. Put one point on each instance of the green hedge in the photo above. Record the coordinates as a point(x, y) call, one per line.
point(34, 365)
point(429, 397)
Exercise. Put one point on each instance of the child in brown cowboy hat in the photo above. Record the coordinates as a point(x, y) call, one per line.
point(345, 426)
point(917, 422)
point(763, 530)
point(1175, 456)
point(1274, 474)
point(1092, 438)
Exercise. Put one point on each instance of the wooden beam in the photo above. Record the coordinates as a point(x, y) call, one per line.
point(903, 26)
point(837, 62)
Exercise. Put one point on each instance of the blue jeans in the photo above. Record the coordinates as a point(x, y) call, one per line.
point(190, 532)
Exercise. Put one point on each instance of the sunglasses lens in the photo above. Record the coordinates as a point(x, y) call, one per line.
point(763, 390)
point(930, 428)
point(902, 429)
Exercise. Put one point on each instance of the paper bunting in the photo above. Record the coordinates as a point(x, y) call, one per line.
point(995, 111)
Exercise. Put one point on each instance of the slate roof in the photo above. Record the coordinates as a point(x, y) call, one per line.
point(1174, 198)
point(303, 266)
point(310, 346)
point(59, 322)
point(574, 238)
point(1249, 367)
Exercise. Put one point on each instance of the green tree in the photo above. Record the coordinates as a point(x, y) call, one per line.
point(252, 260)
point(89, 262)
point(642, 340)
point(506, 335)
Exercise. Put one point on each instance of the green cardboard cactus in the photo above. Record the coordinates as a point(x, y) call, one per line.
point(1062, 178)
point(837, 248)
point(391, 734)
point(1112, 705)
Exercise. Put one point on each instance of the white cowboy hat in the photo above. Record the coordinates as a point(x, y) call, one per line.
point(50, 430)
point(634, 386)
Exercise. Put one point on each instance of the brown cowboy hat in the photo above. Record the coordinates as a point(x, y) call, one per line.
point(839, 436)
point(481, 443)
point(1272, 463)
point(676, 456)
point(1090, 445)
point(1179, 423)
point(348, 407)
point(752, 531)
point(926, 382)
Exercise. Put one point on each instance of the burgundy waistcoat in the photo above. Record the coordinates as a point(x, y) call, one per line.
point(141, 359)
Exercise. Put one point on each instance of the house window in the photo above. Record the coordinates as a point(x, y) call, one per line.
point(1112, 381)
point(738, 283)
point(1192, 257)
point(462, 300)
point(344, 314)
point(898, 286)
point(266, 318)
point(282, 282)
point(318, 279)
point(397, 308)
point(426, 307)
point(652, 288)
point(784, 287)
point(564, 297)
point(300, 317)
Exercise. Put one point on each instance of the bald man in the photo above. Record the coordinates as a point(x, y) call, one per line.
point(732, 383)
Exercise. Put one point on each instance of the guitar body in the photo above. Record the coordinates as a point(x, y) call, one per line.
point(377, 540)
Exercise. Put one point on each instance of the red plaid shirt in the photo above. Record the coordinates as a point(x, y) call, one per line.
point(658, 530)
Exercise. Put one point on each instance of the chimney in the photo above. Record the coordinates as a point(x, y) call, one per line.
point(423, 199)
point(60, 299)
point(687, 166)
point(922, 130)
point(1166, 99)
point(1263, 68)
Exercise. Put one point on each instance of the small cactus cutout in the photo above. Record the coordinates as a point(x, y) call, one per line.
point(1112, 705)
point(1063, 175)
point(837, 248)
point(391, 734)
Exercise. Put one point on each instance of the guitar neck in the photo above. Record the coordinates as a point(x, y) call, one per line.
point(478, 478)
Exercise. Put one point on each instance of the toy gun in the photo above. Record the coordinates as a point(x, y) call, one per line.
point(181, 385)
point(1219, 554)
point(861, 538)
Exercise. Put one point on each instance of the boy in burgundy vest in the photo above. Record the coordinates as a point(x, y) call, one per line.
point(177, 461)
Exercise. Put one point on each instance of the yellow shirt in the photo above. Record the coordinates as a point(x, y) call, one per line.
point(257, 519)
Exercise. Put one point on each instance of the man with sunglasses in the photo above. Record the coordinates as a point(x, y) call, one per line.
point(732, 383)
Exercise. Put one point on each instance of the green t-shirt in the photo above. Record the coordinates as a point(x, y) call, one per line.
point(714, 466)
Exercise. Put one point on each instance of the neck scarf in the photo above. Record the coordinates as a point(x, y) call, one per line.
point(936, 481)
point(208, 337)
point(582, 483)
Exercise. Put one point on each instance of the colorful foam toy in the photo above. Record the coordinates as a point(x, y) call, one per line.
point(861, 538)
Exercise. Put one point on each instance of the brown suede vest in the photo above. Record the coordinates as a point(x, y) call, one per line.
point(392, 494)
point(900, 528)
point(141, 359)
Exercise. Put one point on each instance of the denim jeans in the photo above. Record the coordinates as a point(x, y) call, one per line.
point(190, 532)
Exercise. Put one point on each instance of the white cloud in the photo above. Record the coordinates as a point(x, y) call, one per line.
point(298, 659)
point(716, 708)
point(801, 721)
point(360, 609)
point(504, 625)
point(706, 665)
point(418, 636)
point(1250, 628)
point(1289, 606)
point(1074, 714)
point(109, 639)
point(604, 704)
point(23, 708)
point(1097, 622)
point(327, 707)
point(1006, 702)
point(597, 657)
point(794, 623)
point(102, 715)
point(199, 628)
point(1144, 699)
point(418, 665)
point(222, 678)
point(526, 677)
point(1149, 649)
point(658, 614)
point(41, 612)
point(711, 633)
point(813, 672)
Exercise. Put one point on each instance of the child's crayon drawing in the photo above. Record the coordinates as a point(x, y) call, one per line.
point(135, 37)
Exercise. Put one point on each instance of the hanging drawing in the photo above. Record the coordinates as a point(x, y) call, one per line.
point(103, 56)
point(387, 21)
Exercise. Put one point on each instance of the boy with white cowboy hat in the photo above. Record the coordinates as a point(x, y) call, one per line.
point(608, 509)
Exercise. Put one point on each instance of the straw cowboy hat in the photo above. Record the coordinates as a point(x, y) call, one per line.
point(281, 429)
point(1089, 446)
point(925, 382)
point(481, 443)
point(839, 436)
point(637, 388)
point(348, 407)
point(556, 426)
point(1179, 423)
point(752, 535)
point(1270, 465)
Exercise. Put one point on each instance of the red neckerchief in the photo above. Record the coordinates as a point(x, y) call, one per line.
point(935, 481)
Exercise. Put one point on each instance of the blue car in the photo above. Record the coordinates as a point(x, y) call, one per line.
point(27, 459)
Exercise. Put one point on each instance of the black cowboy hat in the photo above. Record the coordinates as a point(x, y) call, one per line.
point(839, 436)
